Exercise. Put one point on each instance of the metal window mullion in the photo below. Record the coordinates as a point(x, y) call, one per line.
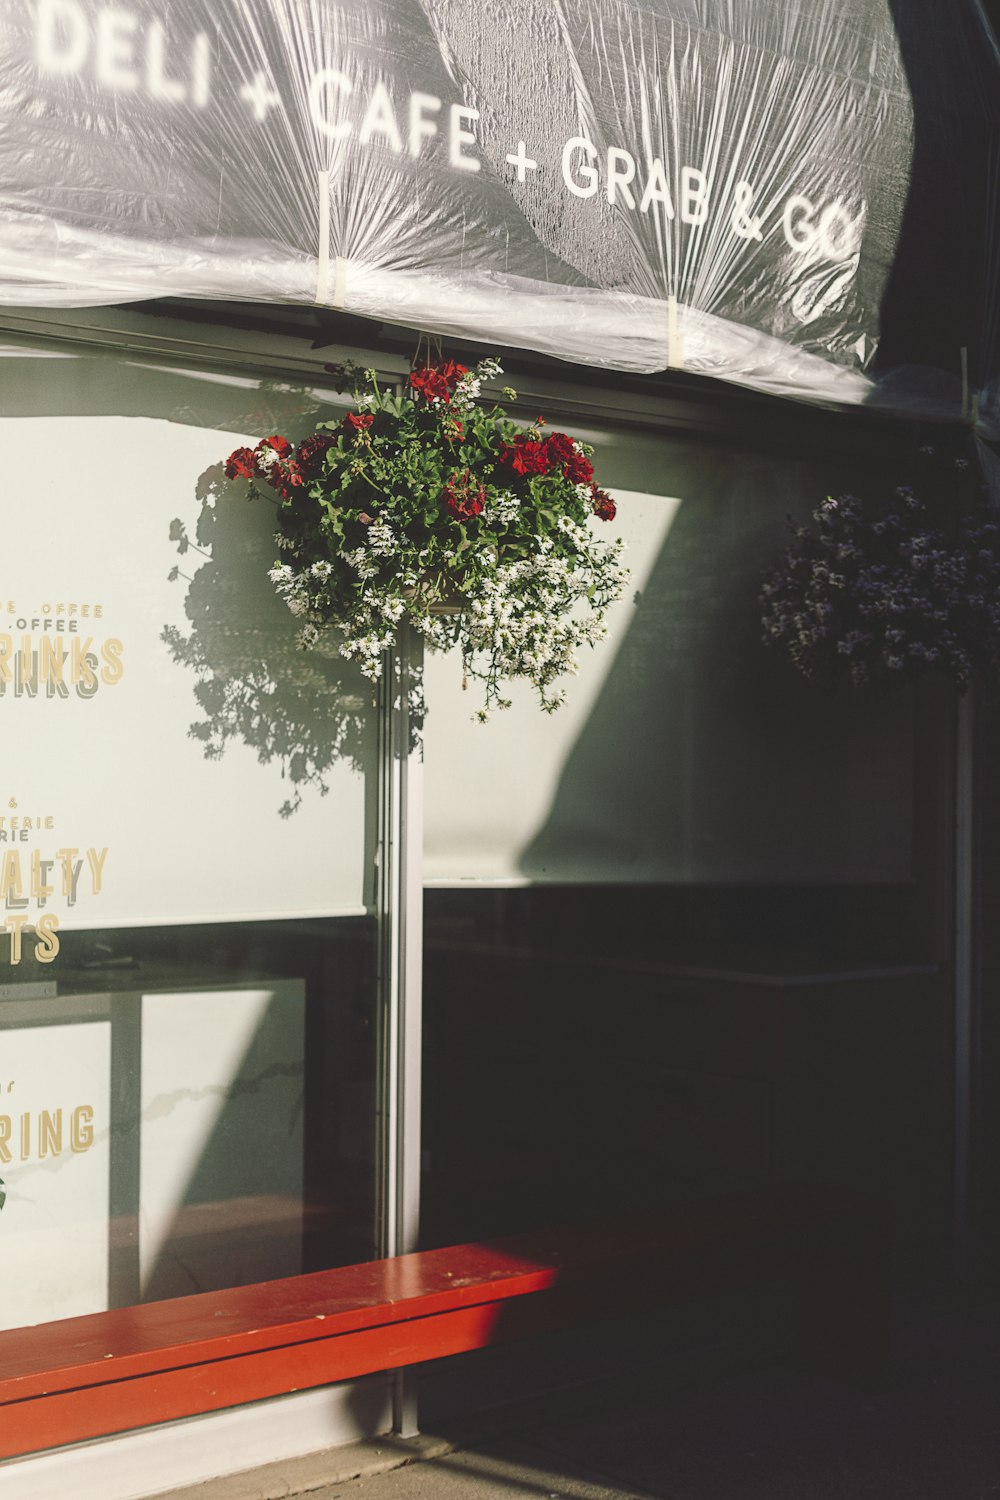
point(400, 963)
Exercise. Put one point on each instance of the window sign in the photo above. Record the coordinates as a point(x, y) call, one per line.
point(54, 1162)
point(161, 727)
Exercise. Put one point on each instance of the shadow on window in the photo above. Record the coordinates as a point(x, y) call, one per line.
point(303, 710)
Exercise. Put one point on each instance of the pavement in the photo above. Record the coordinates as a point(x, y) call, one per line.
point(932, 1433)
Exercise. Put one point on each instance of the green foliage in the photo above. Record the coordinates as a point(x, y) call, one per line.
point(437, 508)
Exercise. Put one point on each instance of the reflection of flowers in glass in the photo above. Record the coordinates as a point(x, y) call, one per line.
point(884, 597)
point(430, 507)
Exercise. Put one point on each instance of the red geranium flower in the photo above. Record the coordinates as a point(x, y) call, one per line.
point(602, 505)
point(312, 451)
point(453, 371)
point(281, 445)
point(359, 420)
point(576, 467)
point(463, 495)
point(559, 447)
point(579, 469)
point(438, 382)
point(526, 456)
point(285, 479)
point(430, 383)
point(240, 465)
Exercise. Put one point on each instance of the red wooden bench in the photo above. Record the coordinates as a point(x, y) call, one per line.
point(79, 1378)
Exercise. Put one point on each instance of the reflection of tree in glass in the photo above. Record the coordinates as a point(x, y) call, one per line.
point(304, 709)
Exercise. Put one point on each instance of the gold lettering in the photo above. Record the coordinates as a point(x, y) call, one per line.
point(48, 944)
point(96, 866)
point(5, 1138)
point(67, 856)
point(52, 659)
point(112, 653)
point(50, 1133)
point(80, 669)
point(10, 875)
point(81, 1133)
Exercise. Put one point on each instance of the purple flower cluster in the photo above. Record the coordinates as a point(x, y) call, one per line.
point(882, 598)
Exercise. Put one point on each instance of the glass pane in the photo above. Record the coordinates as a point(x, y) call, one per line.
point(675, 931)
point(187, 840)
point(683, 752)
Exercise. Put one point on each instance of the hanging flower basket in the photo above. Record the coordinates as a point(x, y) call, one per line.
point(878, 597)
point(433, 508)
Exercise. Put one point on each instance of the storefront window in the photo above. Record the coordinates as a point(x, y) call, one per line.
point(187, 841)
point(653, 917)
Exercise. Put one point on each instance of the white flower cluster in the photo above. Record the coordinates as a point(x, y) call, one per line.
point(381, 539)
point(577, 534)
point(392, 610)
point(469, 388)
point(365, 642)
point(364, 562)
point(503, 508)
point(525, 619)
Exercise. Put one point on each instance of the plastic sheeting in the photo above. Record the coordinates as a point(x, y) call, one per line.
point(799, 195)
